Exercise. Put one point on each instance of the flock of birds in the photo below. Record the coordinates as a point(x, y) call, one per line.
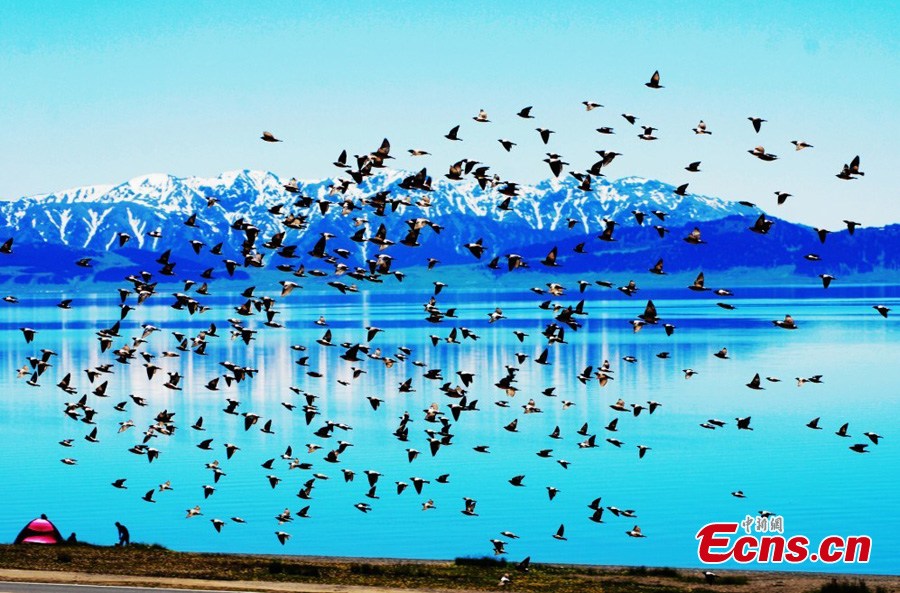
point(461, 390)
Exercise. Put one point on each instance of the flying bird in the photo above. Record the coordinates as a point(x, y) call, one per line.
point(701, 128)
point(760, 153)
point(787, 323)
point(757, 123)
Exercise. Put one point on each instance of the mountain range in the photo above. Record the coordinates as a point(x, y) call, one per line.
point(52, 231)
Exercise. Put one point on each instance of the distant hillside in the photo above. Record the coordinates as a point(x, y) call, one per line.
point(53, 231)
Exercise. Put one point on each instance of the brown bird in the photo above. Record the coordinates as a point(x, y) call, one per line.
point(694, 237)
point(788, 323)
point(760, 153)
point(698, 284)
point(701, 128)
point(482, 117)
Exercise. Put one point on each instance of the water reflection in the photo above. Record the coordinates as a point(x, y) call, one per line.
point(809, 477)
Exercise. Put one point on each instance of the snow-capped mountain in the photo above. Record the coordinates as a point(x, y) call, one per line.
point(152, 210)
point(92, 217)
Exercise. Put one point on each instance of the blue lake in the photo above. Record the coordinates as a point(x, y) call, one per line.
point(809, 477)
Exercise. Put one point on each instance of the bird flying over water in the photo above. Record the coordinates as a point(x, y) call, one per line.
point(353, 364)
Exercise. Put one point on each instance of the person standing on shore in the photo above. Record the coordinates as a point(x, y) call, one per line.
point(124, 536)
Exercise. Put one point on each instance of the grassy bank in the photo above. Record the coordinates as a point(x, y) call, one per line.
point(463, 574)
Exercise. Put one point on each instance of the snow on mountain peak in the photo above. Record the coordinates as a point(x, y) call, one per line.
point(632, 180)
point(150, 180)
point(93, 216)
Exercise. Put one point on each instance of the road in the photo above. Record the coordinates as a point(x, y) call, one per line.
point(9, 587)
point(169, 585)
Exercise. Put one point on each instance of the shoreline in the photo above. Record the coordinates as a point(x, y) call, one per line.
point(151, 566)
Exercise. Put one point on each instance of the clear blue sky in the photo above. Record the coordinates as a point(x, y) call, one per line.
point(99, 92)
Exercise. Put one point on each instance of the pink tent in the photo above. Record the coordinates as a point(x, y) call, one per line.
point(39, 531)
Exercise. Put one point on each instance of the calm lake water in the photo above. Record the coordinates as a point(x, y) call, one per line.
point(809, 477)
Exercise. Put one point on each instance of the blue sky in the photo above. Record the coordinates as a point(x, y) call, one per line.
point(99, 92)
